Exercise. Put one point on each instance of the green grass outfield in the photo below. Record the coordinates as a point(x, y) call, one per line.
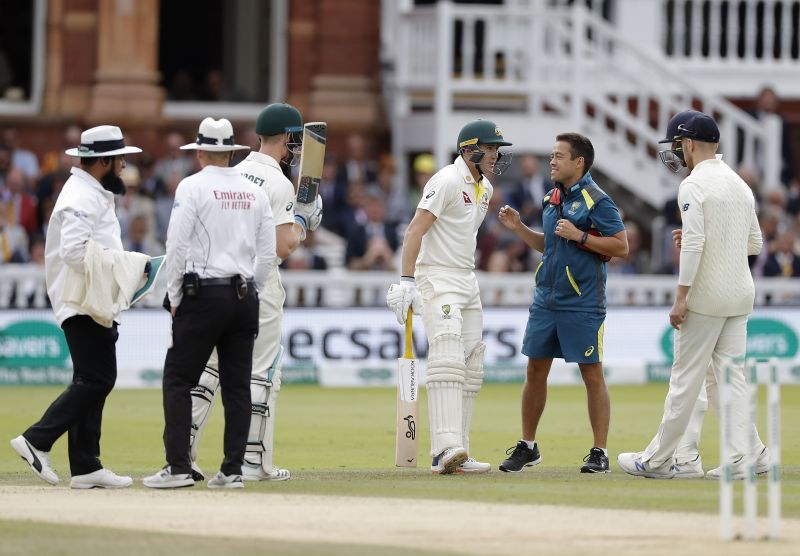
point(341, 442)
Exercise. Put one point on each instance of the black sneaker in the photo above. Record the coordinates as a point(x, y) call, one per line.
point(596, 462)
point(521, 457)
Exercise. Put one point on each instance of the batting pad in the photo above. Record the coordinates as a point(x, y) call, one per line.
point(445, 385)
point(473, 381)
point(202, 399)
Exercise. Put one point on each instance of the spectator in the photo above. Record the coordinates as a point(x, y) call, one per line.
point(528, 193)
point(5, 162)
point(134, 204)
point(306, 256)
point(373, 242)
point(424, 168)
point(386, 186)
point(636, 261)
point(334, 197)
point(21, 158)
point(138, 237)
point(151, 185)
point(357, 167)
point(13, 239)
point(770, 220)
point(768, 104)
point(181, 87)
point(492, 234)
point(57, 159)
point(783, 261)
point(20, 205)
point(176, 164)
point(28, 287)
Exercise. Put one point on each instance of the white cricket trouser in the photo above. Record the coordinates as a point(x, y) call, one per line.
point(704, 345)
point(453, 318)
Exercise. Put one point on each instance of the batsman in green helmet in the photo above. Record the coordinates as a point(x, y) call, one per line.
point(438, 281)
point(280, 129)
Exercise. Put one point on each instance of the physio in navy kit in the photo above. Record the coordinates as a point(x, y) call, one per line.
point(582, 230)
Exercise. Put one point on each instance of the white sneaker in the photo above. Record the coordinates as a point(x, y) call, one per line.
point(472, 466)
point(250, 473)
point(102, 478)
point(449, 461)
point(763, 462)
point(38, 460)
point(220, 480)
point(632, 464)
point(165, 479)
point(692, 469)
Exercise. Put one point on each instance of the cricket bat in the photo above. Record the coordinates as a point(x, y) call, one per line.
point(407, 404)
point(312, 158)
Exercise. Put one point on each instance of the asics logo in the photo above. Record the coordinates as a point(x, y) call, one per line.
point(589, 351)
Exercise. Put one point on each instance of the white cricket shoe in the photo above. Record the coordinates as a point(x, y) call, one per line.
point(38, 460)
point(449, 461)
point(102, 478)
point(632, 464)
point(221, 480)
point(692, 469)
point(165, 479)
point(472, 466)
point(250, 473)
point(763, 462)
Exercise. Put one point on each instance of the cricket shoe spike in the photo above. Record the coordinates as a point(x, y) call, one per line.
point(449, 461)
point(38, 460)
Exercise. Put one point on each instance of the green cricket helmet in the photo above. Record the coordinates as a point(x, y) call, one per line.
point(483, 132)
point(279, 118)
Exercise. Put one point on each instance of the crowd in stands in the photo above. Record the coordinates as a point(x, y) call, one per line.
point(366, 210)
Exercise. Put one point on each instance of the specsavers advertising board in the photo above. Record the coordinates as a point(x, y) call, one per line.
point(358, 347)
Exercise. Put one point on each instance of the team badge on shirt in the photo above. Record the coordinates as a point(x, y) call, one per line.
point(573, 208)
point(446, 311)
point(467, 200)
point(484, 202)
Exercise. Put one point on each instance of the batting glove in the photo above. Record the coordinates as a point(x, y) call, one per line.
point(309, 215)
point(402, 296)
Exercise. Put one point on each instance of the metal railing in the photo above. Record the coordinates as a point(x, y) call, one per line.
point(23, 286)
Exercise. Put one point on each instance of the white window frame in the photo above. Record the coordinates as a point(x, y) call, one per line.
point(193, 110)
point(33, 104)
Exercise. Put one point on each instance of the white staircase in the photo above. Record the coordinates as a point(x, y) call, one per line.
point(538, 68)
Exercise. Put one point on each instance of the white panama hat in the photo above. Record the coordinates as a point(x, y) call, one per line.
point(215, 136)
point(103, 140)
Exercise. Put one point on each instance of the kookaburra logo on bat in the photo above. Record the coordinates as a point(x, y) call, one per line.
point(412, 427)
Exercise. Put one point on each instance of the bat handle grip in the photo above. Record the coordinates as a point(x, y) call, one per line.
point(409, 353)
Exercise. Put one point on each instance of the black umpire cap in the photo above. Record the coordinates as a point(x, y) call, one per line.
point(692, 125)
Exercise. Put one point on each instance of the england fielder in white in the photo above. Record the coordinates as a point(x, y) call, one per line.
point(438, 281)
point(714, 297)
point(279, 127)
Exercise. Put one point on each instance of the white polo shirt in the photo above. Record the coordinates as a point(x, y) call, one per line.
point(221, 225)
point(83, 210)
point(460, 206)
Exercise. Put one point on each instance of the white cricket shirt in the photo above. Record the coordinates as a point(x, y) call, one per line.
point(83, 210)
point(221, 225)
point(460, 206)
point(719, 222)
point(265, 172)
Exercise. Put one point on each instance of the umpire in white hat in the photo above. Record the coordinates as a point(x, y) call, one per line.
point(220, 249)
point(84, 211)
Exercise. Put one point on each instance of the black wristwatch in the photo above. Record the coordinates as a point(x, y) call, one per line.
point(584, 237)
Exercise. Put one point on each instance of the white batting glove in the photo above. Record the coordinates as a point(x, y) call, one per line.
point(308, 215)
point(402, 296)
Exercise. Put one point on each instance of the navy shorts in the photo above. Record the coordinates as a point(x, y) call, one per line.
point(575, 336)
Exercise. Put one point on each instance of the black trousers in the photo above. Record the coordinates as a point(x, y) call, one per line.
point(216, 317)
point(79, 409)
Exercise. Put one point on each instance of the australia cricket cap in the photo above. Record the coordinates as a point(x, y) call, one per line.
point(692, 125)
